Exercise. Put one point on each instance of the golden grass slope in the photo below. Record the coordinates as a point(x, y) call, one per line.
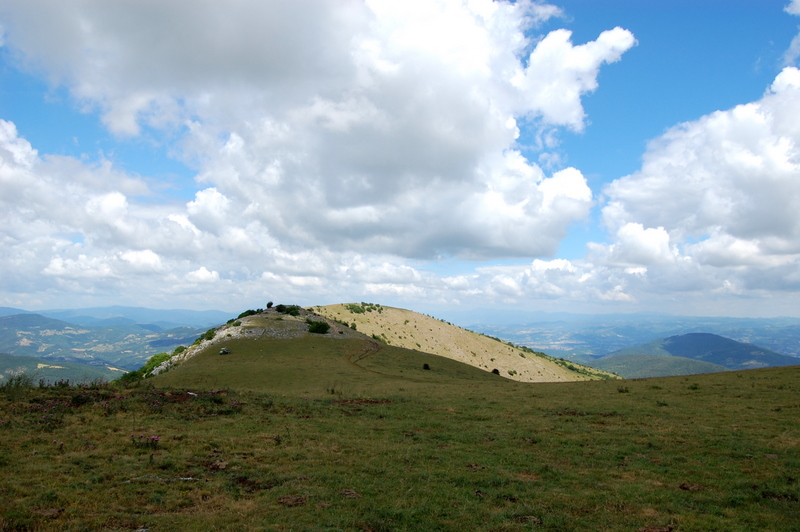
point(411, 330)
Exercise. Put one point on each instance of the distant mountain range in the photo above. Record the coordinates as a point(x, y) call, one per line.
point(587, 337)
point(117, 315)
point(688, 354)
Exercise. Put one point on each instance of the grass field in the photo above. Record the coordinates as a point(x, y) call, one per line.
point(320, 439)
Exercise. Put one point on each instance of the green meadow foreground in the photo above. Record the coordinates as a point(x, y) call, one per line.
point(355, 438)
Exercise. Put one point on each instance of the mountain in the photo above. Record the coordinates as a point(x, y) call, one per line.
point(634, 366)
point(371, 338)
point(166, 319)
point(10, 311)
point(584, 337)
point(710, 348)
point(124, 346)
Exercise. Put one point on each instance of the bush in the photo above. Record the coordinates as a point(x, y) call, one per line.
point(291, 310)
point(318, 327)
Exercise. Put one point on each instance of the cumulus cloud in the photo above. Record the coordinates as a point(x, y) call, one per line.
point(717, 198)
point(370, 126)
point(338, 146)
point(793, 52)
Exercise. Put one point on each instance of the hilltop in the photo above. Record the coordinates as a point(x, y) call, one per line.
point(395, 344)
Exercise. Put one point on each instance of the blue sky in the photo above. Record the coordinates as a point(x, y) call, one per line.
point(428, 155)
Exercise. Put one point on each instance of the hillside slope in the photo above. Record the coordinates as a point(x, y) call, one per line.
point(411, 330)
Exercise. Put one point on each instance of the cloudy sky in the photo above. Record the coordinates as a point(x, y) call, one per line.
point(427, 154)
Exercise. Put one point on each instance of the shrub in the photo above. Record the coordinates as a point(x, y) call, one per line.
point(318, 327)
point(269, 304)
point(496, 371)
point(291, 310)
point(426, 366)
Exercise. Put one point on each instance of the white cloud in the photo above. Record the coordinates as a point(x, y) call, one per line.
point(715, 204)
point(731, 172)
point(793, 52)
point(202, 275)
point(377, 126)
point(143, 260)
point(558, 73)
point(337, 145)
point(637, 246)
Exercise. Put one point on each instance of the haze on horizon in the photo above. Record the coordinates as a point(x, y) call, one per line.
point(639, 156)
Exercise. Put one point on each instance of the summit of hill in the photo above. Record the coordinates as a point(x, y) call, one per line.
point(363, 345)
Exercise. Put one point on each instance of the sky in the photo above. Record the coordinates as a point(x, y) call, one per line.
point(579, 156)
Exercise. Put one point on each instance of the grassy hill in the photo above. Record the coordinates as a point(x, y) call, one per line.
point(411, 330)
point(272, 348)
point(713, 349)
point(635, 366)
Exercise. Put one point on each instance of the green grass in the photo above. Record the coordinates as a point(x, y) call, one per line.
point(313, 363)
point(378, 443)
